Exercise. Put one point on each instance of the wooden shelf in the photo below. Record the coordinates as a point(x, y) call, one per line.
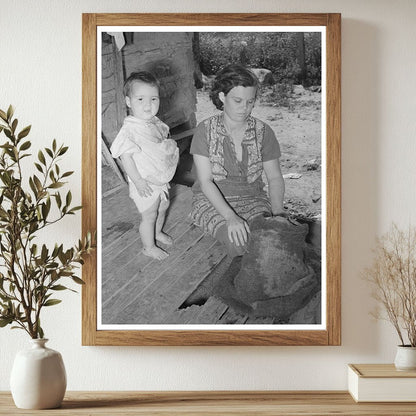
point(222, 403)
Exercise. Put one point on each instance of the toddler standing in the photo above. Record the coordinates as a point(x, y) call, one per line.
point(149, 158)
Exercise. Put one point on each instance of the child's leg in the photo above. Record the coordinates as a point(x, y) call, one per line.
point(147, 233)
point(160, 221)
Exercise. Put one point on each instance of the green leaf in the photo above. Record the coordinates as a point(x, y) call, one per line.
point(54, 145)
point(76, 279)
point(51, 302)
point(34, 249)
point(77, 208)
point(67, 274)
point(37, 182)
point(45, 211)
point(40, 331)
point(25, 145)
point(5, 321)
point(56, 185)
point(49, 152)
point(8, 133)
point(14, 125)
point(10, 112)
point(59, 287)
point(68, 199)
point(44, 253)
point(62, 257)
point(24, 133)
point(67, 174)
point(3, 115)
point(33, 187)
point(63, 150)
point(39, 167)
point(41, 157)
point(58, 199)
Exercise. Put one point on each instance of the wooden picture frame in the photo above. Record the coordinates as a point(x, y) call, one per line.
point(330, 333)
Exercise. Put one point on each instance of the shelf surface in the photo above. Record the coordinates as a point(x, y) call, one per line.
point(179, 403)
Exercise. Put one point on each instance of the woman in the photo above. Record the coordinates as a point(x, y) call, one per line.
point(231, 151)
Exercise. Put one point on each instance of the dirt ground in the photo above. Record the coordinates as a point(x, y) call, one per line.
point(297, 126)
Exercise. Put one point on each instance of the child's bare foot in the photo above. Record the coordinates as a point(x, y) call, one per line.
point(164, 238)
point(155, 252)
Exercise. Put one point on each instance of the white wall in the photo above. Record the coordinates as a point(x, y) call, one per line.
point(40, 74)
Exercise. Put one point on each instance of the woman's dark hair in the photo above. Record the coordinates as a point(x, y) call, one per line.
point(142, 76)
point(227, 78)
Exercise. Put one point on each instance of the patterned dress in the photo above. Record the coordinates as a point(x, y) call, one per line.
point(241, 183)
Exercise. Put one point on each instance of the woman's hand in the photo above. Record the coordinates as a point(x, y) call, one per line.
point(143, 187)
point(238, 230)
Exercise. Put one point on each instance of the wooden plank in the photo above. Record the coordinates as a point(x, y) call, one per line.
point(333, 233)
point(210, 312)
point(212, 403)
point(121, 252)
point(212, 19)
point(231, 317)
point(117, 212)
point(163, 297)
point(119, 208)
point(182, 316)
point(106, 154)
point(155, 301)
point(142, 278)
point(205, 262)
point(127, 260)
point(89, 173)
point(260, 320)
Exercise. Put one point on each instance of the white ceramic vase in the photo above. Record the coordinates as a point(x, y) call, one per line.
point(405, 358)
point(38, 377)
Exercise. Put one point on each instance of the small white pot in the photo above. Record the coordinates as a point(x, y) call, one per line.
point(38, 377)
point(405, 358)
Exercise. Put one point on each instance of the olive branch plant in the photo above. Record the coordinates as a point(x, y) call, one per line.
point(393, 277)
point(30, 273)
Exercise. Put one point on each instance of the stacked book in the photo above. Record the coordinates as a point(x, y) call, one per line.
point(381, 383)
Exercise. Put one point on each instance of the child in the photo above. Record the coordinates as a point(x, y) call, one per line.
point(149, 158)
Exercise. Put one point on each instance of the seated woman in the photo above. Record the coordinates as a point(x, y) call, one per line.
point(231, 150)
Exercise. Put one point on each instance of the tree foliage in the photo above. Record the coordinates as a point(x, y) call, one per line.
point(276, 51)
point(31, 273)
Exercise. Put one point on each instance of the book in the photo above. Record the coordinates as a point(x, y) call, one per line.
point(381, 383)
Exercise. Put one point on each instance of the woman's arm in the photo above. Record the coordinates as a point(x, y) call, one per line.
point(141, 184)
point(237, 227)
point(276, 185)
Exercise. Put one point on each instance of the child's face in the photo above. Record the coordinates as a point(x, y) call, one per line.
point(143, 100)
point(239, 102)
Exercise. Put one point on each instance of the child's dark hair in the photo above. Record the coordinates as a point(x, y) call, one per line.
point(141, 76)
point(231, 76)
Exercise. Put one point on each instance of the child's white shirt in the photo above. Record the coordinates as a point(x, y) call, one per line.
point(154, 155)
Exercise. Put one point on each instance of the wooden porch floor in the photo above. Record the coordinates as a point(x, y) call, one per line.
point(139, 290)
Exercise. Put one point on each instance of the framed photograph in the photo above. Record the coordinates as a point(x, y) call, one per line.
point(163, 272)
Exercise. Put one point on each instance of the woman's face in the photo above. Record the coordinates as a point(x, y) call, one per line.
point(239, 102)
